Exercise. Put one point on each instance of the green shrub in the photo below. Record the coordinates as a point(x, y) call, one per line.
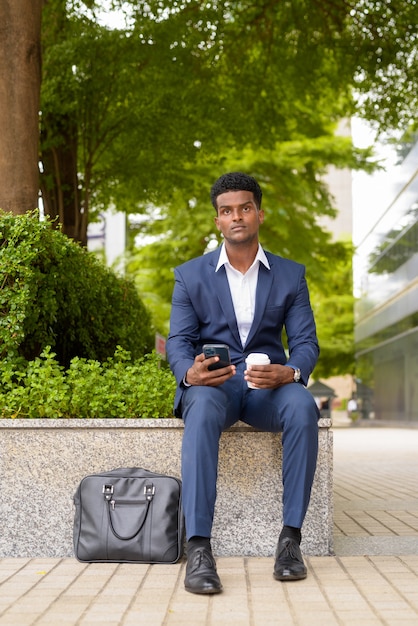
point(75, 338)
point(119, 387)
point(55, 293)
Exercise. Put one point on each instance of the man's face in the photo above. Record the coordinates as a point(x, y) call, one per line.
point(238, 217)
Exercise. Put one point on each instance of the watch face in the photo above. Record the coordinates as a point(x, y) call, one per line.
point(296, 376)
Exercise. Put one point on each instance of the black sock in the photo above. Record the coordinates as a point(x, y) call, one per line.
point(292, 533)
point(198, 542)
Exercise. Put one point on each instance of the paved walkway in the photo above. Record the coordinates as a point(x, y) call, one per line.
point(373, 579)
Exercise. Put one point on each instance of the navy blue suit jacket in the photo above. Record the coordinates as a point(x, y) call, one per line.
point(202, 312)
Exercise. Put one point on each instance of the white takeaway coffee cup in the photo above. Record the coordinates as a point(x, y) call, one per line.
point(256, 358)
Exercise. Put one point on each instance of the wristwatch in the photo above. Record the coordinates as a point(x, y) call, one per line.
point(296, 375)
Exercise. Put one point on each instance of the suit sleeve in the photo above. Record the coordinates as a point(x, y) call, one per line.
point(301, 332)
point(184, 330)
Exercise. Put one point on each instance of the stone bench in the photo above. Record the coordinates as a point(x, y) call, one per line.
point(43, 460)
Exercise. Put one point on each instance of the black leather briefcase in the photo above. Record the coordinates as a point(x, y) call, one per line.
point(128, 515)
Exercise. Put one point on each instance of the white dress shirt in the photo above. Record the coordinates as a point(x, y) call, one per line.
point(243, 288)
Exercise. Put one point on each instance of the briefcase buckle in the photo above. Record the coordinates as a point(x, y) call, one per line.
point(149, 491)
point(107, 492)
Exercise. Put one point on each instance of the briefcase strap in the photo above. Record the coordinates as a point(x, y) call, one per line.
point(149, 491)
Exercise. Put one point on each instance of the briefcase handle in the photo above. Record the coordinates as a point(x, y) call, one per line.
point(149, 491)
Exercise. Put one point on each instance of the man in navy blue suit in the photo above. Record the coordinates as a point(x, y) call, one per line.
point(242, 296)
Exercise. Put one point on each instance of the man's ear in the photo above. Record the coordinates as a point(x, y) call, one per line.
point(261, 216)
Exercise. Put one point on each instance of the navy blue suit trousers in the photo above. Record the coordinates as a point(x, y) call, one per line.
point(208, 411)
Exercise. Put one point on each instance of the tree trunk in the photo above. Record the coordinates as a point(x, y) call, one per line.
point(20, 82)
point(61, 196)
point(59, 181)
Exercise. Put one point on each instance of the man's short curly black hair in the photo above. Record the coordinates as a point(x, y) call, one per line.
point(236, 181)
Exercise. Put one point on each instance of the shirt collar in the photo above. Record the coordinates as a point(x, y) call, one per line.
point(260, 256)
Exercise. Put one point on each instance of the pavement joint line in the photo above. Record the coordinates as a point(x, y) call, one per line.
point(73, 581)
point(250, 603)
point(27, 589)
point(135, 595)
point(360, 590)
point(325, 592)
point(174, 593)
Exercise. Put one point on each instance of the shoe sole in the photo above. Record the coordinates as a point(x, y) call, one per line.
point(205, 592)
point(294, 577)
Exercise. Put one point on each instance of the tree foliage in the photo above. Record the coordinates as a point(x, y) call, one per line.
point(333, 304)
point(126, 112)
point(145, 117)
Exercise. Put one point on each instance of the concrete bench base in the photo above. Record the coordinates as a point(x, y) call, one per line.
point(42, 461)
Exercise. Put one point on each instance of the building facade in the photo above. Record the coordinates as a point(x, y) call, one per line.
point(386, 282)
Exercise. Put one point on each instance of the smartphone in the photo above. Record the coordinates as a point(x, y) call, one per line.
point(217, 349)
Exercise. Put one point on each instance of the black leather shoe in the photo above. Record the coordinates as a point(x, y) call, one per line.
point(201, 574)
point(289, 563)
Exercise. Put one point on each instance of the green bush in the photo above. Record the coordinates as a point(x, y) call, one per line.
point(119, 387)
point(55, 293)
point(75, 339)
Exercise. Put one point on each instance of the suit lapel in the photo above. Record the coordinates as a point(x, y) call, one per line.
point(223, 293)
point(264, 284)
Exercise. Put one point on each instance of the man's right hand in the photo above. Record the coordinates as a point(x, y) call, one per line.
point(199, 374)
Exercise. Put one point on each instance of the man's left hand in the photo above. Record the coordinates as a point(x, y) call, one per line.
point(269, 376)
